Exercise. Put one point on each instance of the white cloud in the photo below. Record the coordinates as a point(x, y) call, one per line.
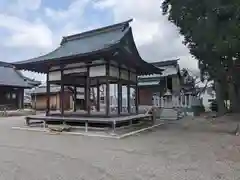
point(29, 4)
point(74, 10)
point(21, 7)
point(32, 38)
point(24, 33)
point(156, 38)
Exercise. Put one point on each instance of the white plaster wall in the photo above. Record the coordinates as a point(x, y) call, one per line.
point(133, 77)
point(77, 70)
point(54, 76)
point(113, 71)
point(97, 71)
point(124, 74)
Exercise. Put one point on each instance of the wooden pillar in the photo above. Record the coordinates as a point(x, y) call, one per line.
point(22, 102)
point(85, 95)
point(98, 95)
point(128, 94)
point(75, 99)
point(48, 95)
point(107, 90)
point(20, 98)
point(62, 93)
point(166, 83)
point(87, 92)
point(136, 98)
point(119, 88)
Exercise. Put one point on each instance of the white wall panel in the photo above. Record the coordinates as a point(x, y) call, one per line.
point(77, 70)
point(133, 77)
point(97, 71)
point(54, 76)
point(124, 74)
point(114, 72)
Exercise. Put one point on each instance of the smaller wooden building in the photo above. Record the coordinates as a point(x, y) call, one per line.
point(158, 84)
point(39, 98)
point(12, 85)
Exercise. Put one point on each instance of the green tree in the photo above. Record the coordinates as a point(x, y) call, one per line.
point(211, 31)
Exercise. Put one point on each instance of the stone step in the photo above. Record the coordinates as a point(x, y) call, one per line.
point(169, 114)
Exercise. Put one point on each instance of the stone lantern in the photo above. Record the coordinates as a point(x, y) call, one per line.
point(167, 98)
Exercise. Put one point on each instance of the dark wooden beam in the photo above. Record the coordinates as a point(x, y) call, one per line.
point(48, 96)
point(81, 66)
point(107, 90)
point(136, 97)
point(22, 102)
point(81, 83)
point(87, 92)
point(128, 95)
point(119, 87)
point(75, 99)
point(98, 95)
point(62, 93)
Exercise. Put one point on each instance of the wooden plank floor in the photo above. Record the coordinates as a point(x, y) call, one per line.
point(89, 119)
point(82, 113)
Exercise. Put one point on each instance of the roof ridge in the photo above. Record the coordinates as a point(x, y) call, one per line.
point(94, 31)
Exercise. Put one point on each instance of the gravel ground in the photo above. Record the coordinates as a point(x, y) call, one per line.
point(188, 149)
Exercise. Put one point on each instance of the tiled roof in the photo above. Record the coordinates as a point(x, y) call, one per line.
point(9, 76)
point(167, 71)
point(93, 43)
point(86, 42)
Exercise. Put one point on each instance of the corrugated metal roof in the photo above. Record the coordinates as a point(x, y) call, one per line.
point(85, 42)
point(11, 77)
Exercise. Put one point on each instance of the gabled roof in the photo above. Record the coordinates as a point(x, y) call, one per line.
point(9, 76)
point(91, 45)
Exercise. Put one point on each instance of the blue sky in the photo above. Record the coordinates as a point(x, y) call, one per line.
point(29, 28)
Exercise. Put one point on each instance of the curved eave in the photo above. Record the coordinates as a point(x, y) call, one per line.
point(41, 66)
point(144, 67)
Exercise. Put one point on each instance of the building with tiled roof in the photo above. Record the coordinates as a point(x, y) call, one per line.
point(12, 85)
